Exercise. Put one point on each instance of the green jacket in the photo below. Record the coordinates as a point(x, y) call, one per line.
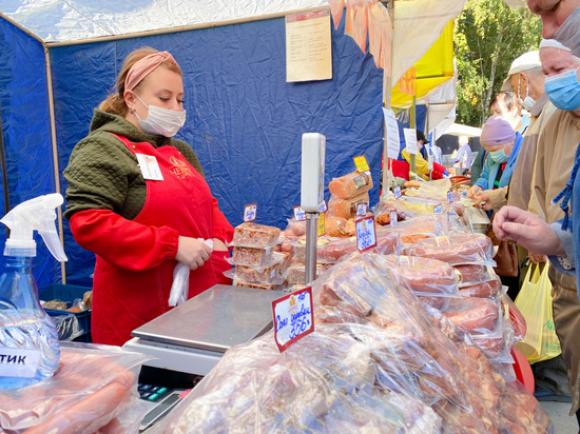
point(103, 174)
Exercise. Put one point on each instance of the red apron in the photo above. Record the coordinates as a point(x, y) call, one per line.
point(124, 300)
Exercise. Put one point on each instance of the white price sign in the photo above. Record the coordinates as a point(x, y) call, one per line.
point(19, 363)
point(411, 140)
point(250, 212)
point(293, 317)
point(361, 209)
point(299, 214)
point(366, 235)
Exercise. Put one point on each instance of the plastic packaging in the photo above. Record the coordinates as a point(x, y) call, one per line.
point(346, 208)
point(377, 362)
point(339, 227)
point(351, 185)
point(180, 285)
point(250, 234)
point(455, 248)
point(274, 274)
point(94, 385)
point(433, 190)
point(486, 289)
point(28, 337)
point(424, 276)
point(474, 315)
point(269, 286)
point(253, 257)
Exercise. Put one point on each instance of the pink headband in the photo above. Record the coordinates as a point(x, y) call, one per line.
point(142, 68)
point(497, 131)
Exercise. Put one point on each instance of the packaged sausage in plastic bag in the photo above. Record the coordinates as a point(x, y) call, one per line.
point(455, 248)
point(250, 234)
point(351, 185)
point(93, 386)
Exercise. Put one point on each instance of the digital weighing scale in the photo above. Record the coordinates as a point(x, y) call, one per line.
point(192, 337)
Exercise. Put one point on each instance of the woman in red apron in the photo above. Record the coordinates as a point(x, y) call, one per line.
point(137, 199)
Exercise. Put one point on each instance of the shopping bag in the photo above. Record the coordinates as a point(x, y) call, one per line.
point(535, 303)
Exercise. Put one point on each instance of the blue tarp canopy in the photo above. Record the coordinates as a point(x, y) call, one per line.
point(244, 121)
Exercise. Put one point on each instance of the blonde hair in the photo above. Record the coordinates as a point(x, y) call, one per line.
point(115, 103)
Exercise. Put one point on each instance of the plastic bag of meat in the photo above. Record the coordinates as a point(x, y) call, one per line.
point(490, 288)
point(94, 385)
point(346, 208)
point(424, 276)
point(323, 383)
point(351, 185)
point(250, 234)
point(455, 248)
point(416, 229)
point(339, 227)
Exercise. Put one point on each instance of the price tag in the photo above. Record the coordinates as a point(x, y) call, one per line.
point(293, 317)
point(250, 212)
point(322, 208)
point(299, 214)
point(438, 209)
point(361, 164)
point(15, 362)
point(366, 237)
point(321, 225)
point(393, 219)
point(361, 209)
point(149, 167)
point(397, 192)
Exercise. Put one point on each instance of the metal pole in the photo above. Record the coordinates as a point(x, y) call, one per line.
point(387, 85)
point(311, 244)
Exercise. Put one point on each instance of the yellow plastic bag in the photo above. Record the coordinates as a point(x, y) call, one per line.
point(535, 303)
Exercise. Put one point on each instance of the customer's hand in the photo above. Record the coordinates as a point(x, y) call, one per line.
point(474, 192)
point(528, 230)
point(192, 252)
point(536, 259)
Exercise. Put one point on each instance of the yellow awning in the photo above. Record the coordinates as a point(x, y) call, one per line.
point(429, 72)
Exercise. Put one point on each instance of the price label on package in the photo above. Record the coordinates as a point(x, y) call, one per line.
point(299, 214)
point(393, 219)
point(362, 209)
point(361, 164)
point(15, 362)
point(322, 208)
point(397, 192)
point(250, 212)
point(293, 317)
point(366, 234)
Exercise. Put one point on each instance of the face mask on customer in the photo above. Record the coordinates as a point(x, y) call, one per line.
point(161, 121)
point(564, 90)
point(498, 156)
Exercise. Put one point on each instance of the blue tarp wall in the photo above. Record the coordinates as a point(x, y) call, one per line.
point(244, 121)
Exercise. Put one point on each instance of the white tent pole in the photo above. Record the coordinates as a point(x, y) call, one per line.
point(22, 28)
point(387, 85)
point(54, 149)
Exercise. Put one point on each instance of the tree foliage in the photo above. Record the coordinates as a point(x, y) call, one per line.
point(489, 35)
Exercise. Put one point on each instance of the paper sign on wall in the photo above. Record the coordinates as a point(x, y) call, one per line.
point(308, 46)
point(393, 141)
point(293, 317)
point(411, 140)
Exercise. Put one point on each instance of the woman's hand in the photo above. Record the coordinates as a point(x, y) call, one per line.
point(474, 192)
point(528, 230)
point(192, 252)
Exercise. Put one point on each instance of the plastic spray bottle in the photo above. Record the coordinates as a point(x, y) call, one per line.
point(29, 347)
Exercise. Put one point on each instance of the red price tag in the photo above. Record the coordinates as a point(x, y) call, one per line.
point(293, 317)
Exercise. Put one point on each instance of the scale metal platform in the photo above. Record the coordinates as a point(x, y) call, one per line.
point(192, 337)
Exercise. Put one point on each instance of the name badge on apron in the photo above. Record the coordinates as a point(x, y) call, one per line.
point(149, 167)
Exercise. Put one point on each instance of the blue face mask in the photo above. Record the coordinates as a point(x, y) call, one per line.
point(564, 90)
point(498, 156)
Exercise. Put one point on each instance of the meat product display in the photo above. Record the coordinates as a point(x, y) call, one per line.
point(269, 286)
point(250, 234)
point(424, 276)
point(350, 185)
point(275, 273)
point(378, 361)
point(486, 289)
point(472, 272)
point(474, 314)
point(455, 248)
point(339, 227)
point(346, 208)
point(93, 386)
point(253, 257)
